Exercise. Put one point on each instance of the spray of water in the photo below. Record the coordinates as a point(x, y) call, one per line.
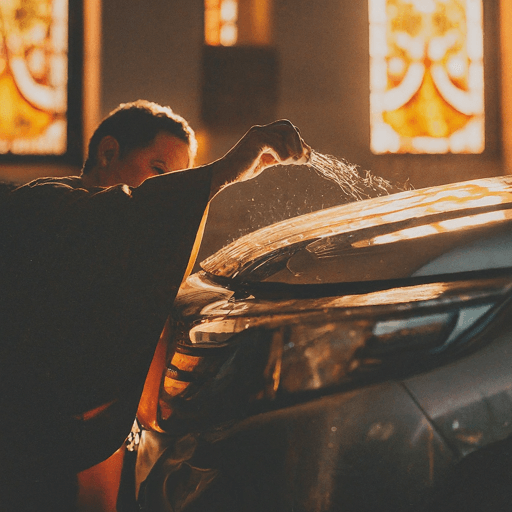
point(354, 183)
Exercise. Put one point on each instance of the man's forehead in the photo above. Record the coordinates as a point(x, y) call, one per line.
point(167, 147)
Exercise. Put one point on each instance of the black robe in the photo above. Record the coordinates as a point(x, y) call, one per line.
point(87, 280)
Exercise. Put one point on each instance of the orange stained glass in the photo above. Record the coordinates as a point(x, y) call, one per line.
point(426, 76)
point(221, 22)
point(33, 76)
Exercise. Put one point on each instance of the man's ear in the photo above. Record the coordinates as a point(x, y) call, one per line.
point(108, 151)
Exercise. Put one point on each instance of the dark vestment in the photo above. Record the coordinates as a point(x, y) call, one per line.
point(87, 280)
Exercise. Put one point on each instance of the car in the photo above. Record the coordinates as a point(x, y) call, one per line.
point(356, 358)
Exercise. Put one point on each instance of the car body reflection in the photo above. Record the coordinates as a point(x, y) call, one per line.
point(342, 360)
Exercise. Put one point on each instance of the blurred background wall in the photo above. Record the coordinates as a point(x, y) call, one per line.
point(319, 79)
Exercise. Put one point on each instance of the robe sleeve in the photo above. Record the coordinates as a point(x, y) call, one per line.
point(91, 280)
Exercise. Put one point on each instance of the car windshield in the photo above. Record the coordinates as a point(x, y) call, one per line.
point(444, 229)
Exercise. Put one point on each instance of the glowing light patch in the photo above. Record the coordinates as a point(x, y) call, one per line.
point(33, 76)
point(228, 34)
point(438, 227)
point(229, 11)
point(220, 22)
point(475, 220)
point(426, 76)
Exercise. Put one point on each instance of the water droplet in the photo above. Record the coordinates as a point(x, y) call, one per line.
point(354, 183)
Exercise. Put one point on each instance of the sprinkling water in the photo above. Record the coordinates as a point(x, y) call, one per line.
point(353, 182)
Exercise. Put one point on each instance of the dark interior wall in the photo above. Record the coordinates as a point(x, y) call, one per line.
point(324, 81)
point(153, 50)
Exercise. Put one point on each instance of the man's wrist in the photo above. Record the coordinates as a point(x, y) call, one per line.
point(221, 176)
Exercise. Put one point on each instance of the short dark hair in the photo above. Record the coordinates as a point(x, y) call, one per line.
point(135, 125)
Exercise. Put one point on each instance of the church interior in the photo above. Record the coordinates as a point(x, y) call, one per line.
point(418, 92)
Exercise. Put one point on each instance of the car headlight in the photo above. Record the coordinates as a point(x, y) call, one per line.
point(223, 367)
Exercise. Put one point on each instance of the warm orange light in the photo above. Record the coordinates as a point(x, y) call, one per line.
point(172, 384)
point(426, 76)
point(228, 34)
point(229, 11)
point(438, 227)
point(212, 22)
point(33, 76)
point(261, 16)
point(91, 68)
point(237, 22)
point(220, 22)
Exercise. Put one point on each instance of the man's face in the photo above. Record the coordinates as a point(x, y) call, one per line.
point(165, 154)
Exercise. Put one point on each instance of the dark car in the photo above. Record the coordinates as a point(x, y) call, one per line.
point(357, 358)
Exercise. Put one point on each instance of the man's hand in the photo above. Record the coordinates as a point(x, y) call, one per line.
point(261, 147)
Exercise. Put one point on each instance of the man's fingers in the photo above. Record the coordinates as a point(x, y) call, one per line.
point(285, 139)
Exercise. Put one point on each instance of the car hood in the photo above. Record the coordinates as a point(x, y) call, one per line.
point(368, 237)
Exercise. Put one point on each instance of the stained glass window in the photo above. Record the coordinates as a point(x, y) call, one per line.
point(33, 77)
point(220, 22)
point(426, 76)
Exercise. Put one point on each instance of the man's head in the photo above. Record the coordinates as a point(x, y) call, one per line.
point(137, 134)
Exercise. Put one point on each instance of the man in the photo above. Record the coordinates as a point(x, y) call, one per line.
point(90, 268)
